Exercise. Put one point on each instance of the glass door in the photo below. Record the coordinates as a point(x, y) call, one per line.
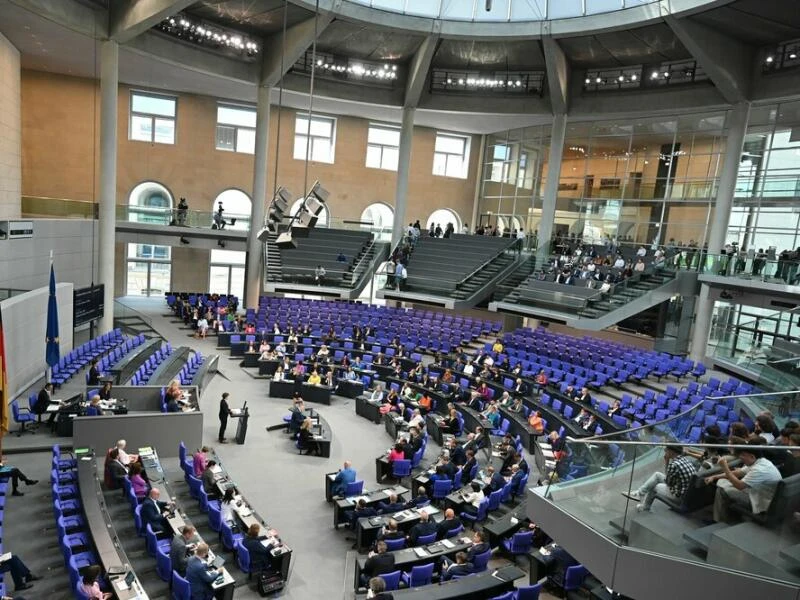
point(148, 278)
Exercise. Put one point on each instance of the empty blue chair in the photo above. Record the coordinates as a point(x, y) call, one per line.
point(163, 563)
point(243, 558)
point(137, 520)
point(441, 488)
point(22, 416)
point(573, 579)
point(180, 588)
point(530, 592)
point(392, 580)
point(229, 538)
point(395, 544)
point(195, 485)
point(214, 517)
point(400, 469)
point(419, 575)
point(520, 543)
point(152, 542)
point(354, 489)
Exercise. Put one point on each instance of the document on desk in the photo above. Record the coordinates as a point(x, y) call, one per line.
point(429, 510)
point(420, 552)
point(216, 469)
point(448, 544)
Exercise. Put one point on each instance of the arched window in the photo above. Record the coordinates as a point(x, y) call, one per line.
point(379, 219)
point(150, 202)
point(442, 217)
point(149, 266)
point(323, 218)
point(236, 205)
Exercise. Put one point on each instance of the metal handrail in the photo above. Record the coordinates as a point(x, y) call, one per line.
point(358, 264)
point(485, 263)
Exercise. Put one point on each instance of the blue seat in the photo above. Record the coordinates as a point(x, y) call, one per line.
point(481, 561)
point(195, 485)
point(395, 544)
point(229, 538)
point(392, 580)
point(506, 596)
point(163, 563)
point(480, 516)
point(243, 558)
point(424, 540)
point(137, 520)
point(520, 543)
point(214, 517)
point(354, 488)
point(152, 542)
point(455, 531)
point(530, 592)
point(181, 590)
point(441, 488)
point(400, 469)
point(22, 416)
point(419, 575)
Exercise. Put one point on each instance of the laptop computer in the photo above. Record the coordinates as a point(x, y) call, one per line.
point(218, 561)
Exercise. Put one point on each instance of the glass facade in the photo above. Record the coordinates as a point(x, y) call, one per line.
point(643, 181)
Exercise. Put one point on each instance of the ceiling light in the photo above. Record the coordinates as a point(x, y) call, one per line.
point(793, 54)
point(634, 77)
point(449, 81)
point(460, 82)
point(769, 59)
point(666, 74)
point(588, 81)
point(621, 78)
point(598, 80)
point(654, 75)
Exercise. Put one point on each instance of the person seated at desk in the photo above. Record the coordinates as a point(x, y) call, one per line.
point(267, 354)
point(536, 422)
point(390, 532)
point(94, 410)
point(116, 470)
point(484, 391)
point(299, 371)
point(181, 547)
point(450, 423)
point(377, 393)
point(506, 399)
point(468, 466)
point(227, 503)
point(494, 480)
point(392, 506)
point(421, 529)
point(397, 452)
point(584, 397)
point(105, 391)
point(516, 476)
point(306, 439)
point(361, 511)
point(475, 401)
point(125, 458)
point(210, 480)
point(173, 390)
point(138, 483)
point(43, 400)
point(297, 414)
point(314, 378)
point(379, 562)
point(516, 405)
point(377, 590)
point(173, 406)
point(414, 442)
point(421, 499)
point(451, 521)
point(345, 476)
point(279, 374)
point(459, 568)
point(90, 587)
point(198, 574)
point(152, 511)
point(15, 474)
point(493, 415)
point(473, 498)
point(260, 553)
point(456, 453)
point(615, 409)
point(94, 374)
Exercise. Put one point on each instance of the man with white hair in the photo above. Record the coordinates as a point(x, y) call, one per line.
point(125, 458)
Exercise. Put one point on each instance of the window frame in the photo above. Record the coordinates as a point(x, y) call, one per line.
point(236, 128)
point(382, 147)
point(310, 154)
point(464, 156)
point(153, 117)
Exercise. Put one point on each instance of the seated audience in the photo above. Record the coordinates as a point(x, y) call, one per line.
point(345, 475)
point(153, 511)
point(210, 481)
point(379, 562)
point(377, 590)
point(260, 554)
point(673, 483)
point(138, 482)
point(90, 586)
point(181, 547)
point(459, 568)
point(199, 576)
point(450, 522)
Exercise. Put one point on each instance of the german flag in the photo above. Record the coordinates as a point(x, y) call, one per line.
point(3, 383)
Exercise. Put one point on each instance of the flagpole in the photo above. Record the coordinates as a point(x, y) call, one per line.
point(48, 372)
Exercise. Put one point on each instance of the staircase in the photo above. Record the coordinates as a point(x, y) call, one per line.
point(516, 277)
point(627, 294)
point(273, 258)
point(475, 282)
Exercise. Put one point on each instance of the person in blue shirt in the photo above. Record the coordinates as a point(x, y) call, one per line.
point(199, 576)
point(94, 410)
point(343, 477)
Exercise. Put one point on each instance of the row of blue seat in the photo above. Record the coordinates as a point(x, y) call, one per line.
point(79, 357)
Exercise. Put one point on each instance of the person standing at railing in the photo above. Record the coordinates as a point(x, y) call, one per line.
point(400, 276)
point(183, 208)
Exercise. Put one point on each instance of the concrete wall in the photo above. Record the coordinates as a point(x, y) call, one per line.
point(24, 328)
point(25, 263)
point(10, 131)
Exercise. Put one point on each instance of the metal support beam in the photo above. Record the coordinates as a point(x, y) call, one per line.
point(418, 71)
point(129, 18)
point(558, 73)
point(109, 86)
point(255, 248)
point(737, 128)
point(550, 197)
point(728, 62)
point(403, 171)
point(298, 38)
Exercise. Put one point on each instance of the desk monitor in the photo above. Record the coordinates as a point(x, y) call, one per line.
point(80, 452)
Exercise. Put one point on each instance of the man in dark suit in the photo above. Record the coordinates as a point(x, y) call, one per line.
point(466, 470)
point(422, 499)
point(421, 529)
point(210, 481)
point(457, 455)
point(451, 521)
point(516, 476)
point(479, 546)
point(94, 374)
point(260, 554)
point(390, 531)
point(448, 467)
point(414, 443)
point(179, 549)
point(378, 563)
point(392, 506)
point(199, 576)
point(459, 568)
point(116, 470)
point(495, 480)
point(523, 465)
point(584, 397)
point(43, 400)
point(362, 511)
point(152, 511)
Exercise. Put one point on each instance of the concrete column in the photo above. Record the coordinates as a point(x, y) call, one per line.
point(737, 128)
point(550, 197)
point(255, 248)
point(109, 90)
point(403, 170)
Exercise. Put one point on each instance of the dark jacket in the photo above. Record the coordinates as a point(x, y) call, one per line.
point(379, 564)
point(260, 555)
point(421, 530)
point(445, 526)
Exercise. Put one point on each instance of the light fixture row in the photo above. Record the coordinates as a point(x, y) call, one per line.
point(187, 29)
point(385, 72)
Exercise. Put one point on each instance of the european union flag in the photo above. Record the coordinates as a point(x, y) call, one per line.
point(52, 353)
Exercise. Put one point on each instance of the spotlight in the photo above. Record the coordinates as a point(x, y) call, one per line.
point(654, 75)
point(769, 59)
point(793, 54)
point(598, 80)
point(666, 74)
point(621, 78)
point(587, 81)
point(634, 77)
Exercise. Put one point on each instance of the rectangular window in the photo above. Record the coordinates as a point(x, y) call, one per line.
point(315, 139)
point(236, 128)
point(152, 118)
point(383, 147)
point(451, 155)
point(501, 154)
